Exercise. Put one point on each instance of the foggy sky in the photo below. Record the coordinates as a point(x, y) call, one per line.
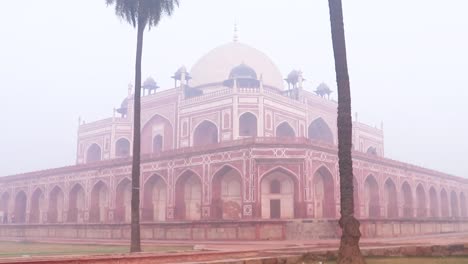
point(408, 64)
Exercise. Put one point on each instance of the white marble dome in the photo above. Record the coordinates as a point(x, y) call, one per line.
point(214, 67)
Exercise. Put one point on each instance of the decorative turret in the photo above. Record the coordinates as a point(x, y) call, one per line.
point(123, 110)
point(150, 85)
point(323, 90)
point(292, 79)
point(182, 76)
point(244, 77)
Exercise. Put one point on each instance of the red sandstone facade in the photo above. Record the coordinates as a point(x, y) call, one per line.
point(230, 146)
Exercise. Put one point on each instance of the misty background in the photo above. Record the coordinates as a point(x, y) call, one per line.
point(408, 64)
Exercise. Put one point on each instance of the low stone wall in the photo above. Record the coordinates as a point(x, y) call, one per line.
point(234, 230)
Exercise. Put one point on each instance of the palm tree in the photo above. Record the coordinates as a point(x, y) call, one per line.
point(140, 14)
point(349, 246)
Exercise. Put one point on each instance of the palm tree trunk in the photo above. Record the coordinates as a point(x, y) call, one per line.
point(349, 246)
point(135, 243)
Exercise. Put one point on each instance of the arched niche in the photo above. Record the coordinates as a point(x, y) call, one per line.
point(463, 208)
point(227, 194)
point(56, 205)
point(188, 196)
point(122, 148)
point(420, 201)
point(4, 204)
point(94, 153)
point(324, 194)
point(454, 204)
point(320, 131)
point(123, 201)
point(154, 199)
point(433, 203)
point(76, 204)
point(278, 194)
point(248, 125)
point(407, 195)
point(285, 130)
point(157, 125)
point(371, 199)
point(206, 133)
point(99, 203)
point(158, 144)
point(19, 215)
point(444, 203)
point(38, 206)
point(390, 195)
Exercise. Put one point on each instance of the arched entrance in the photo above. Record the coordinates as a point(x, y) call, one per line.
point(157, 135)
point(433, 203)
point(37, 206)
point(444, 204)
point(206, 133)
point(76, 204)
point(123, 201)
point(227, 194)
point(324, 194)
point(463, 205)
point(56, 205)
point(122, 148)
point(4, 204)
point(154, 199)
point(99, 203)
point(248, 125)
point(278, 195)
point(319, 130)
point(407, 200)
point(454, 204)
point(19, 215)
point(420, 201)
point(285, 130)
point(390, 193)
point(93, 154)
point(372, 199)
point(188, 196)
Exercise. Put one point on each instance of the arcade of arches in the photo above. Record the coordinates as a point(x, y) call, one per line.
point(222, 197)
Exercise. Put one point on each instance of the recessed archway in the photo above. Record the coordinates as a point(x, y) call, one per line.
point(433, 203)
point(248, 125)
point(319, 130)
point(407, 195)
point(154, 199)
point(122, 148)
point(99, 203)
point(157, 125)
point(93, 154)
point(285, 130)
point(371, 199)
point(37, 206)
point(56, 205)
point(324, 194)
point(123, 199)
point(420, 201)
point(76, 204)
point(188, 196)
point(454, 204)
point(4, 204)
point(463, 209)
point(390, 193)
point(278, 189)
point(444, 203)
point(158, 144)
point(20, 208)
point(226, 200)
point(206, 133)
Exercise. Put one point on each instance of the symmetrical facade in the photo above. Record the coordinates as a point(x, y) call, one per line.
point(230, 141)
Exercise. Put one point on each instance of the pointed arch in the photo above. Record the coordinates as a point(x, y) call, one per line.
point(227, 193)
point(248, 125)
point(157, 125)
point(324, 193)
point(407, 195)
point(99, 203)
point(19, 215)
point(433, 202)
point(206, 133)
point(76, 204)
point(284, 204)
point(372, 197)
point(285, 130)
point(454, 204)
point(154, 199)
point(94, 153)
point(320, 131)
point(463, 208)
point(390, 195)
point(122, 148)
point(4, 207)
point(444, 203)
point(37, 206)
point(56, 205)
point(421, 210)
point(188, 196)
point(123, 197)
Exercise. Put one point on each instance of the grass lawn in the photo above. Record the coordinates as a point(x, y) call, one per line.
point(398, 260)
point(18, 249)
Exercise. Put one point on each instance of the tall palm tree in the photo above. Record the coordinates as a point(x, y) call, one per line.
point(140, 14)
point(349, 246)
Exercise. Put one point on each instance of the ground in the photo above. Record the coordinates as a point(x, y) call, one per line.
point(451, 260)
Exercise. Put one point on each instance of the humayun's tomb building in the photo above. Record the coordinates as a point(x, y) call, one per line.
point(235, 150)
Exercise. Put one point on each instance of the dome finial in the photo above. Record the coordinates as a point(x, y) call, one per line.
point(236, 36)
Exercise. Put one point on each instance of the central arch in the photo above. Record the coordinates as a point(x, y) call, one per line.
point(227, 194)
point(407, 200)
point(76, 204)
point(248, 125)
point(324, 194)
point(94, 153)
point(285, 130)
point(56, 205)
point(157, 126)
point(278, 189)
point(206, 133)
point(420, 201)
point(99, 203)
point(188, 200)
point(154, 199)
point(372, 198)
point(20, 208)
point(123, 201)
point(37, 206)
point(444, 204)
point(433, 203)
point(319, 130)
point(390, 193)
point(454, 204)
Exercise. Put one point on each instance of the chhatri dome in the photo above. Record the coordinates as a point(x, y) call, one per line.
point(217, 66)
